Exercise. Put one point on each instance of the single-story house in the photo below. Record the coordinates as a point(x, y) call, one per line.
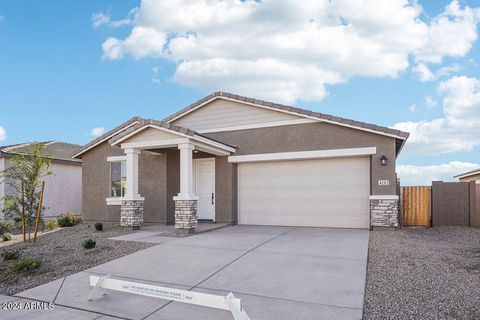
point(472, 175)
point(63, 189)
point(232, 159)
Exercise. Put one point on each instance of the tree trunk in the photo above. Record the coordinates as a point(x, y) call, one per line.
point(23, 214)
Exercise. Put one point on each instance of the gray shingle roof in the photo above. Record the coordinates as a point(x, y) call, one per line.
point(58, 150)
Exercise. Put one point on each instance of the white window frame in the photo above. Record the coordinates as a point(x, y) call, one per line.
point(115, 200)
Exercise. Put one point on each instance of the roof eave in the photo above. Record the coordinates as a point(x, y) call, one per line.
point(468, 174)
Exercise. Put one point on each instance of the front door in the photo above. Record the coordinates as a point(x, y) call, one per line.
point(204, 175)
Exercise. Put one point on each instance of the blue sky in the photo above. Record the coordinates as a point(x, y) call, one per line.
point(67, 67)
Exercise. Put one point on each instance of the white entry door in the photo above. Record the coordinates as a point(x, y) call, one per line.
point(204, 175)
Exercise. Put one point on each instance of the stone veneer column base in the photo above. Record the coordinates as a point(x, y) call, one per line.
point(131, 213)
point(185, 216)
point(384, 212)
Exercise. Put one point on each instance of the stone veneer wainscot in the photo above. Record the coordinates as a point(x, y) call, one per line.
point(131, 214)
point(384, 211)
point(186, 216)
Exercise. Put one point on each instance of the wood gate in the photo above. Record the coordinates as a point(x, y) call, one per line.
point(416, 206)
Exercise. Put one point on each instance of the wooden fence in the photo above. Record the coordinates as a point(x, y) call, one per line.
point(451, 203)
point(475, 218)
point(443, 204)
point(416, 208)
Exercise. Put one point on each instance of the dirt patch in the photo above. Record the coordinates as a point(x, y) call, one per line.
point(63, 254)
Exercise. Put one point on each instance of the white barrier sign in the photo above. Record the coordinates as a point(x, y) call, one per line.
point(229, 302)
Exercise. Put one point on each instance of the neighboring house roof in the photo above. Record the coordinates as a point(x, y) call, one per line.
point(143, 123)
point(104, 137)
point(57, 150)
point(468, 173)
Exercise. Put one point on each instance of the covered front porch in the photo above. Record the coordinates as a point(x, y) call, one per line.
point(196, 197)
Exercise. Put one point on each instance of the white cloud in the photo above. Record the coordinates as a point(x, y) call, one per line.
point(155, 78)
point(3, 134)
point(424, 175)
point(413, 108)
point(99, 19)
point(289, 50)
point(449, 34)
point(96, 132)
point(141, 43)
point(458, 129)
point(430, 102)
point(447, 70)
point(424, 73)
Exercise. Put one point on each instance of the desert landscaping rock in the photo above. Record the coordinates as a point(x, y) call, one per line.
point(63, 254)
point(423, 274)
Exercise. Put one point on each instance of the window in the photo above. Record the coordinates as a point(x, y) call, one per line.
point(118, 178)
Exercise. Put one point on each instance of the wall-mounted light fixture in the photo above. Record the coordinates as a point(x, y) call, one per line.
point(383, 160)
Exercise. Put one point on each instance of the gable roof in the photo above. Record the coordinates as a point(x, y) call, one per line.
point(399, 135)
point(144, 123)
point(135, 124)
point(59, 151)
point(468, 173)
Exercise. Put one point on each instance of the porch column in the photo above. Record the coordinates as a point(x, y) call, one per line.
point(131, 214)
point(186, 201)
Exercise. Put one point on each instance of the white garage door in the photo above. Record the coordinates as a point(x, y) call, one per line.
point(315, 193)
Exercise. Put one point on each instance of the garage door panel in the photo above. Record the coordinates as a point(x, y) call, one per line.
point(331, 193)
point(324, 193)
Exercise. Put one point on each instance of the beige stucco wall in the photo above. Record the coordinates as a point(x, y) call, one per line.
point(159, 175)
point(317, 136)
point(96, 188)
point(471, 178)
point(2, 188)
point(63, 189)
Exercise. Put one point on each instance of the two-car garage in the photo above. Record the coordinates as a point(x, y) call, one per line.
point(332, 192)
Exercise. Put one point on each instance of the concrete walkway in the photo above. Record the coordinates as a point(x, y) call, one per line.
point(278, 272)
point(157, 233)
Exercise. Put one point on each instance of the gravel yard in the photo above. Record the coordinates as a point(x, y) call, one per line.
point(63, 254)
point(423, 274)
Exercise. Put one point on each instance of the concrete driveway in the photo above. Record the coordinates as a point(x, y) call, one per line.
point(279, 272)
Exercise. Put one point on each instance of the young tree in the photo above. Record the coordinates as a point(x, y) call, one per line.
point(24, 178)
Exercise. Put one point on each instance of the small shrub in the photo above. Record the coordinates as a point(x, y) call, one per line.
point(26, 264)
point(6, 226)
point(67, 220)
point(6, 236)
point(89, 243)
point(10, 255)
point(51, 224)
point(99, 226)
